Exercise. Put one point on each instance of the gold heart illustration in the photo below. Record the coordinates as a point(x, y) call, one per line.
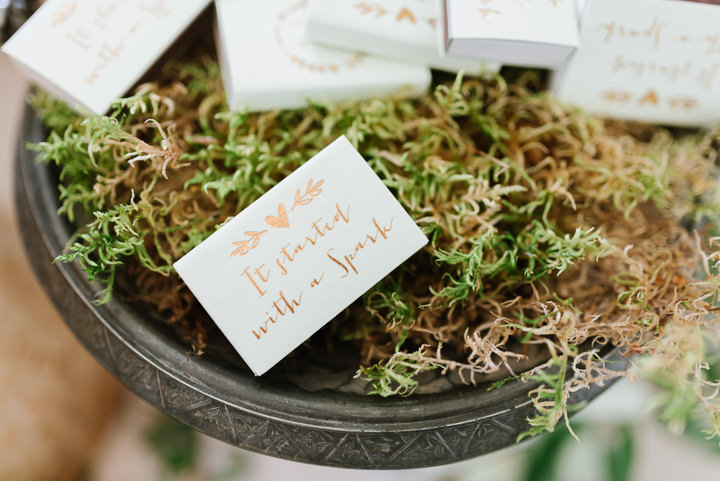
point(279, 222)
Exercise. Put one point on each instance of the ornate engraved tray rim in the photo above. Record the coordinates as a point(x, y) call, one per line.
point(276, 418)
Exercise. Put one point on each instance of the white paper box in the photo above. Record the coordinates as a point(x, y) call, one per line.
point(403, 29)
point(647, 60)
point(580, 7)
point(534, 33)
point(300, 254)
point(91, 52)
point(268, 64)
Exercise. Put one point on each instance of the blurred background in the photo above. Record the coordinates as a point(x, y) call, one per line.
point(62, 417)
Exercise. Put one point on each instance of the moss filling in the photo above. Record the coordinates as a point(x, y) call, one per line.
point(548, 226)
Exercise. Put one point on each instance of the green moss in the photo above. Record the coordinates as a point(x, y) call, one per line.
point(531, 209)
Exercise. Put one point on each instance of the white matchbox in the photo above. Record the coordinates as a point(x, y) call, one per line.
point(91, 52)
point(533, 33)
point(267, 63)
point(300, 254)
point(646, 60)
point(404, 29)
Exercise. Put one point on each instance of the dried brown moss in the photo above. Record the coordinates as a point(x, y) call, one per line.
point(549, 227)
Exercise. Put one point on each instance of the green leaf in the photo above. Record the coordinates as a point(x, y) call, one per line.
point(174, 443)
point(541, 463)
point(621, 455)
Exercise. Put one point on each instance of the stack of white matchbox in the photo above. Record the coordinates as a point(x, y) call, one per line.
point(284, 53)
point(534, 33)
point(646, 60)
point(89, 53)
point(268, 63)
point(650, 60)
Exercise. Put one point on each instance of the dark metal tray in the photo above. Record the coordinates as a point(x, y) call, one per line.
point(273, 414)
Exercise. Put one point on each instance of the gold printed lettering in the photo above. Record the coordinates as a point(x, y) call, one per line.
point(334, 259)
point(316, 281)
point(281, 266)
point(649, 98)
point(405, 13)
point(250, 277)
point(369, 8)
point(282, 307)
point(371, 238)
point(281, 221)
